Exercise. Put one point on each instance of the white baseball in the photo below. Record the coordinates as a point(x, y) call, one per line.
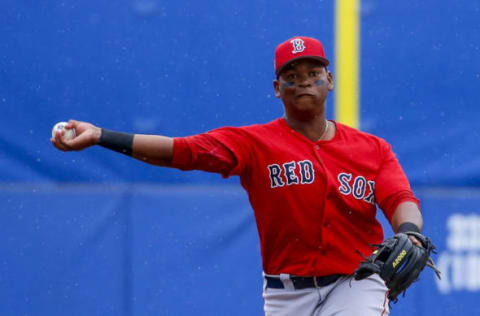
point(69, 132)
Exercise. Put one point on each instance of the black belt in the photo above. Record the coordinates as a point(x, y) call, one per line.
point(300, 282)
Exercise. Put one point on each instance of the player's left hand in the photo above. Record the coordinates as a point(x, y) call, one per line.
point(399, 261)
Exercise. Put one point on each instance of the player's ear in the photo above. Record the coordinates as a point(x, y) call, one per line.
point(276, 86)
point(330, 80)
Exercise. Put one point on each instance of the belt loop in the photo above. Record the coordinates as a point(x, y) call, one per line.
point(315, 282)
point(287, 282)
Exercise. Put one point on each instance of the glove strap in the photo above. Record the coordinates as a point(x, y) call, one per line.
point(408, 227)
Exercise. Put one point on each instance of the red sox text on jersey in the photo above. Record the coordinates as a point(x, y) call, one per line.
point(286, 174)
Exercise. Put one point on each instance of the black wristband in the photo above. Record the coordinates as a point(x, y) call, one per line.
point(408, 227)
point(117, 141)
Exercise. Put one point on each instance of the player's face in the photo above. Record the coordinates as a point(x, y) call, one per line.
point(303, 87)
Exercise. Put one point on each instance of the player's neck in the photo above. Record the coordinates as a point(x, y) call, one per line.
point(315, 129)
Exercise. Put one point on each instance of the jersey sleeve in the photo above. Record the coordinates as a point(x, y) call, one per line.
point(223, 151)
point(391, 184)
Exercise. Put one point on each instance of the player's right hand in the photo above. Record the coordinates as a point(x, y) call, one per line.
point(87, 135)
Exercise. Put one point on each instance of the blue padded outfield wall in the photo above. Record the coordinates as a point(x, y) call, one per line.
point(96, 233)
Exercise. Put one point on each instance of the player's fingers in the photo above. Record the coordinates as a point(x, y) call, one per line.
point(72, 124)
point(62, 142)
point(415, 241)
point(59, 140)
point(77, 143)
point(79, 126)
point(59, 136)
point(81, 141)
point(58, 145)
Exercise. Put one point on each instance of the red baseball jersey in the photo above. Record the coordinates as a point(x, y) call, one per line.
point(314, 202)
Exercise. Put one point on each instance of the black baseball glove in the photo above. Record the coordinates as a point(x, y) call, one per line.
point(398, 262)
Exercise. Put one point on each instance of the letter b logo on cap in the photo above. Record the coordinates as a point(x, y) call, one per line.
point(298, 45)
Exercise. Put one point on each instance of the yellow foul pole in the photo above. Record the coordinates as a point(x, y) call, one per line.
point(347, 31)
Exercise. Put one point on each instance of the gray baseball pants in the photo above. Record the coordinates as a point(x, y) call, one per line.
point(344, 297)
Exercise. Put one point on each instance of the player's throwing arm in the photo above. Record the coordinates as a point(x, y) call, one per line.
point(76, 135)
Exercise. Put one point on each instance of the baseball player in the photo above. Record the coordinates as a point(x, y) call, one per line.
point(313, 184)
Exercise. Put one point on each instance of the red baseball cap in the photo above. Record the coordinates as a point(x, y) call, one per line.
point(298, 47)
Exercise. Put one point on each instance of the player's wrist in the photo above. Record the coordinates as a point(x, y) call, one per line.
point(408, 227)
point(97, 133)
point(116, 141)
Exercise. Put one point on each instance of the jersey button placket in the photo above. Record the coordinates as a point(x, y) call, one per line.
point(316, 147)
point(323, 250)
point(316, 151)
